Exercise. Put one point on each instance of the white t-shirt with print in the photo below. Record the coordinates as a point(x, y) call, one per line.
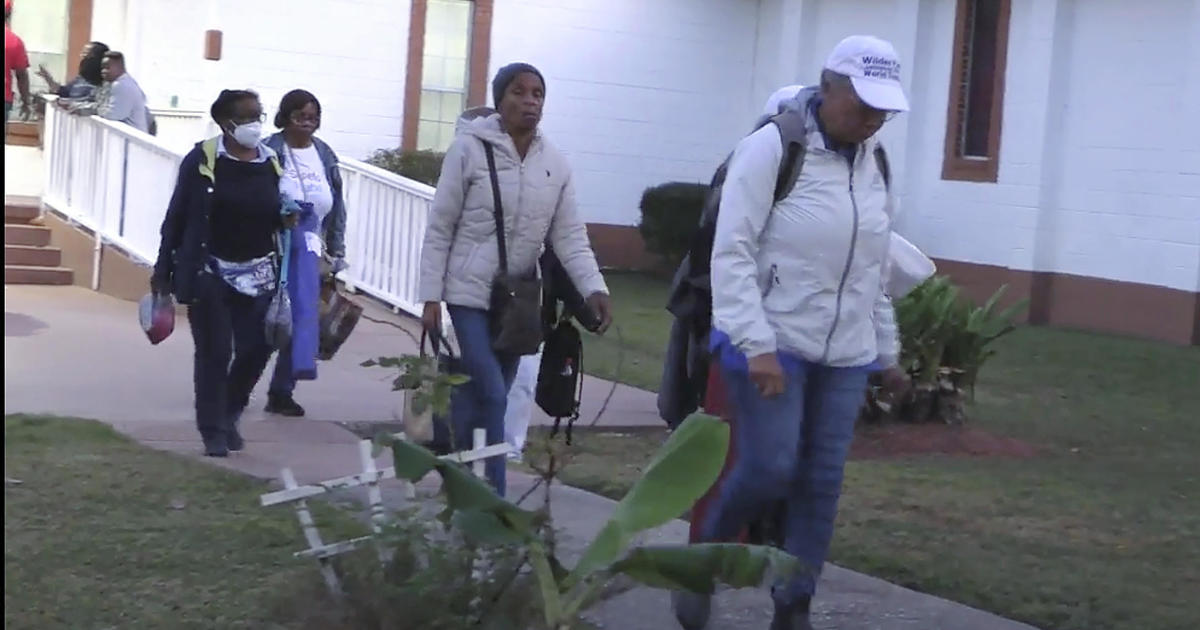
point(304, 179)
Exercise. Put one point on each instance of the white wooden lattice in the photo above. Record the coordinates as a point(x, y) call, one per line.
point(370, 477)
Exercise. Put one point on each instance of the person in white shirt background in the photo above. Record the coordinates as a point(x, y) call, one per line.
point(310, 174)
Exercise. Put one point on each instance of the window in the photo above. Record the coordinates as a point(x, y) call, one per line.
point(444, 71)
point(976, 100)
point(447, 66)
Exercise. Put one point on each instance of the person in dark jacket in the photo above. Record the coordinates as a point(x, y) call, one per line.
point(218, 256)
point(84, 85)
point(310, 173)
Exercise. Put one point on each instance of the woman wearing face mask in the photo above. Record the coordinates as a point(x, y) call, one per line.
point(218, 256)
point(88, 79)
point(310, 174)
point(460, 259)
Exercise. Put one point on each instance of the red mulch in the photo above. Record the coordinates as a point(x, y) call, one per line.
point(899, 440)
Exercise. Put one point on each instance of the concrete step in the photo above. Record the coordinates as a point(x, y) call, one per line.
point(20, 213)
point(34, 235)
point(26, 255)
point(24, 274)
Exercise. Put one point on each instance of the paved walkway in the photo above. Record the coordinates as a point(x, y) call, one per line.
point(72, 352)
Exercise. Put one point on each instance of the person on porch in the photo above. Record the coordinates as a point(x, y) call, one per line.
point(85, 83)
point(16, 63)
point(801, 316)
point(119, 98)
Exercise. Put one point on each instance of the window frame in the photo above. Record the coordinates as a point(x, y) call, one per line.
point(479, 48)
point(955, 166)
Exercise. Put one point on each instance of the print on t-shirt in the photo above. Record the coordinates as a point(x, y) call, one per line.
point(304, 179)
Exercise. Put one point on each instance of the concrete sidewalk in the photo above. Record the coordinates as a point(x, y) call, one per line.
point(72, 352)
point(89, 346)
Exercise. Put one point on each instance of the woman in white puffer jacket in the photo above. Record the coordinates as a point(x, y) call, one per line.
point(460, 257)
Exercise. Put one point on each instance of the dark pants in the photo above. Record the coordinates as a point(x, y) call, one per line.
point(283, 383)
point(792, 448)
point(231, 352)
point(481, 403)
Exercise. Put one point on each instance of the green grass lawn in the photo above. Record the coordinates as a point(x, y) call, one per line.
point(631, 352)
point(103, 533)
point(1100, 531)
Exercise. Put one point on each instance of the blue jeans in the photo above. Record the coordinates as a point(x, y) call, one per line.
point(481, 403)
point(793, 448)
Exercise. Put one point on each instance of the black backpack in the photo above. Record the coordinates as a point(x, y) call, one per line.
point(560, 376)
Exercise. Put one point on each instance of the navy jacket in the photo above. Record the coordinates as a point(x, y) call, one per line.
point(183, 252)
point(334, 224)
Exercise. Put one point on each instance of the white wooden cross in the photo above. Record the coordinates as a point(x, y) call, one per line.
point(370, 477)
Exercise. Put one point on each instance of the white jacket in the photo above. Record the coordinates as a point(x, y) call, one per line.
point(804, 276)
point(460, 257)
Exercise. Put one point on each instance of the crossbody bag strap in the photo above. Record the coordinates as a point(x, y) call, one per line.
point(497, 206)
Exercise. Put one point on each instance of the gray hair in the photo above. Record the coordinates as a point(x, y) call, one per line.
point(830, 79)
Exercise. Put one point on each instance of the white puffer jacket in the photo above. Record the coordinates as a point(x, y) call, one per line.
point(804, 276)
point(460, 257)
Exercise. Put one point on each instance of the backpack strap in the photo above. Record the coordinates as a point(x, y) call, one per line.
point(209, 165)
point(793, 133)
point(881, 163)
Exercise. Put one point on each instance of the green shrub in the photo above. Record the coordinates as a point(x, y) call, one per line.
point(670, 214)
point(945, 340)
point(423, 166)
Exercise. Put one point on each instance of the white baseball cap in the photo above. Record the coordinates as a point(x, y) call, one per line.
point(873, 67)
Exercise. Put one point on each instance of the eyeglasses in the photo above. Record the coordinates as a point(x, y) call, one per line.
point(261, 117)
point(300, 118)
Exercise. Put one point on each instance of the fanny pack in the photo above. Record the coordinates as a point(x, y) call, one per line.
point(253, 277)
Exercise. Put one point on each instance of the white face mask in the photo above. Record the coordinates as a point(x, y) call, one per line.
point(248, 134)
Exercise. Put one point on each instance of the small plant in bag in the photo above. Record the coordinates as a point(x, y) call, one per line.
point(427, 390)
point(420, 374)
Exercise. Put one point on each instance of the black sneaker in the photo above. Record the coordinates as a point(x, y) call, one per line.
point(692, 610)
point(216, 446)
point(284, 405)
point(793, 616)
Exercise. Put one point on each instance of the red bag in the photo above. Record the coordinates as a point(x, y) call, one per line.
point(156, 314)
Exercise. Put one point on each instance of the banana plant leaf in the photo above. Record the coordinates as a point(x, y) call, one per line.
point(699, 568)
point(683, 470)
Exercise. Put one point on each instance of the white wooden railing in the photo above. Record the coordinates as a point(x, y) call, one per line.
point(117, 181)
point(386, 217)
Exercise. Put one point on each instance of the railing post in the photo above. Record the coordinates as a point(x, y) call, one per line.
point(124, 182)
point(480, 441)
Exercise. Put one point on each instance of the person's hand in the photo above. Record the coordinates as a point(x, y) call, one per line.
point(291, 220)
point(601, 305)
point(338, 265)
point(896, 382)
point(767, 374)
point(160, 286)
point(431, 318)
point(44, 73)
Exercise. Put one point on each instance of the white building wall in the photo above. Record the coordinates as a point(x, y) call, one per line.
point(638, 92)
point(1129, 205)
point(351, 54)
point(1099, 174)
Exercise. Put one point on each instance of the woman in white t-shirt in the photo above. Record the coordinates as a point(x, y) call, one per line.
point(310, 173)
